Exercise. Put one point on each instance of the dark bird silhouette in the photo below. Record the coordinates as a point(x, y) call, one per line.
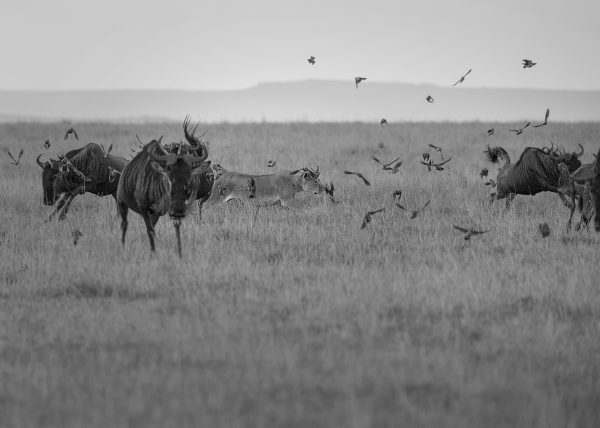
point(437, 166)
point(71, 131)
point(397, 194)
point(47, 144)
point(358, 174)
point(545, 122)
point(520, 130)
point(469, 232)
point(368, 216)
point(484, 172)
point(414, 213)
point(426, 156)
point(106, 152)
point(311, 60)
point(76, 233)
point(383, 122)
point(16, 161)
point(544, 229)
point(490, 132)
point(491, 182)
point(430, 99)
point(396, 167)
point(357, 80)
point(329, 190)
point(386, 166)
point(271, 163)
point(462, 78)
point(527, 63)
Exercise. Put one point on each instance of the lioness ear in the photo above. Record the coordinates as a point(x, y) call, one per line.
point(156, 166)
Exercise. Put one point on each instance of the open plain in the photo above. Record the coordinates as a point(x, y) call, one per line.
point(289, 318)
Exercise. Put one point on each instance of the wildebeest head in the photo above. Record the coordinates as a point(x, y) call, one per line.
point(309, 180)
point(179, 169)
point(571, 160)
point(49, 173)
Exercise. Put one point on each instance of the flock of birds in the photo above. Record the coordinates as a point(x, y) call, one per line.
point(392, 166)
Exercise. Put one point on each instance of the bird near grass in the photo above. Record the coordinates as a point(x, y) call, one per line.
point(357, 80)
point(71, 131)
point(527, 63)
point(430, 99)
point(436, 166)
point(311, 60)
point(469, 232)
point(383, 122)
point(271, 163)
point(16, 161)
point(388, 166)
point(484, 172)
point(544, 229)
point(413, 213)
point(462, 78)
point(359, 175)
point(76, 233)
point(520, 130)
point(437, 149)
point(545, 122)
point(491, 182)
point(47, 144)
point(490, 132)
point(368, 217)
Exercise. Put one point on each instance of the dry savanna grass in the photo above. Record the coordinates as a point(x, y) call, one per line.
point(301, 318)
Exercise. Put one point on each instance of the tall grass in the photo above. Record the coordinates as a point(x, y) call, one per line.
point(300, 318)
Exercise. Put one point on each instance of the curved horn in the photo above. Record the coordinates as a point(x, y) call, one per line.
point(581, 151)
point(42, 165)
point(162, 159)
point(199, 147)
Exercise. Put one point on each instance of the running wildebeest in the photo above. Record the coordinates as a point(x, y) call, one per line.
point(537, 170)
point(82, 170)
point(155, 183)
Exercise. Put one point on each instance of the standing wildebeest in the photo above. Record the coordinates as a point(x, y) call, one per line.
point(87, 169)
point(155, 183)
point(537, 170)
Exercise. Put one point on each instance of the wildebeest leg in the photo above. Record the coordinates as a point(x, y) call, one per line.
point(177, 224)
point(150, 218)
point(509, 200)
point(123, 210)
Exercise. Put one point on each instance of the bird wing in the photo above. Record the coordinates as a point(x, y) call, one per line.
point(434, 147)
point(425, 163)
point(478, 232)
point(349, 173)
point(66, 134)
point(377, 160)
point(376, 211)
point(462, 229)
point(394, 161)
point(444, 163)
point(426, 204)
point(459, 80)
point(364, 223)
point(75, 134)
point(11, 156)
point(20, 155)
point(528, 123)
point(403, 208)
point(364, 179)
point(547, 115)
point(470, 69)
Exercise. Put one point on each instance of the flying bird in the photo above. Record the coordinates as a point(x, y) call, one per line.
point(545, 122)
point(387, 166)
point(437, 149)
point(484, 172)
point(383, 122)
point(414, 213)
point(271, 163)
point(71, 131)
point(396, 167)
point(430, 99)
point(462, 78)
point(357, 80)
point(368, 216)
point(490, 132)
point(490, 183)
point(527, 63)
point(469, 232)
point(16, 161)
point(520, 130)
point(106, 152)
point(47, 144)
point(76, 233)
point(437, 166)
point(358, 174)
point(544, 229)
point(311, 60)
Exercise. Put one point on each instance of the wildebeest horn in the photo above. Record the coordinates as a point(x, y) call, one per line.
point(580, 153)
point(161, 159)
point(42, 165)
point(199, 147)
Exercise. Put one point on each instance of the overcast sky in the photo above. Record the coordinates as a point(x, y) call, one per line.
point(121, 44)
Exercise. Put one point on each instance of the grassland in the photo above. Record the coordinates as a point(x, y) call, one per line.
point(301, 319)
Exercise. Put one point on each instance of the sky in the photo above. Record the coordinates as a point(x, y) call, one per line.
point(220, 45)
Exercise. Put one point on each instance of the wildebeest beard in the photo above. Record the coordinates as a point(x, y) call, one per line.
point(179, 173)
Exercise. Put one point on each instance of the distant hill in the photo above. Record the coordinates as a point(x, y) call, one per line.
point(313, 100)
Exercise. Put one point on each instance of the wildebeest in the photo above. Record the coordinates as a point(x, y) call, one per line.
point(269, 189)
point(537, 170)
point(87, 169)
point(579, 187)
point(155, 183)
